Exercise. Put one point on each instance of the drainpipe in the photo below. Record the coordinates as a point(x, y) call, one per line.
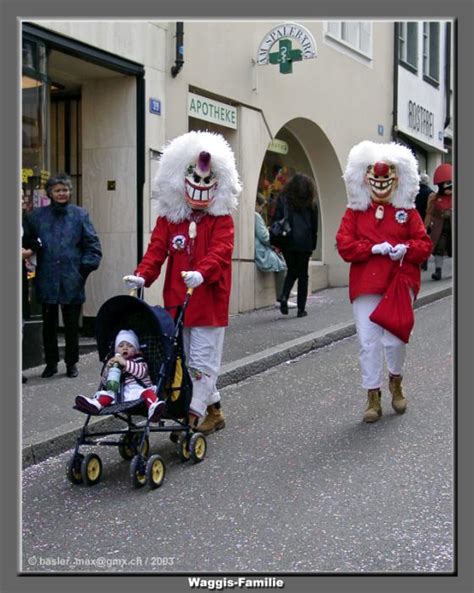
point(395, 82)
point(447, 74)
point(140, 95)
point(179, 50)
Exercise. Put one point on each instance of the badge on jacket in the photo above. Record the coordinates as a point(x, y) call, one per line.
point(401, 216)
point(178, 242)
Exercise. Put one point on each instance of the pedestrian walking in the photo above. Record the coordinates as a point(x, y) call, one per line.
point(267, 258)
point(70, 251)
point(438, 220)
point(383, 237)
point(296, 204)
point(421, 201)
point(197, 188)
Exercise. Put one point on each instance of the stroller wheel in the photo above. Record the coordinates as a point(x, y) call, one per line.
point(197, 447)
point(73, 469)
point(155, 471)
point(129, 443)
point(182, 447)
point(138, 471)
point(91, 469)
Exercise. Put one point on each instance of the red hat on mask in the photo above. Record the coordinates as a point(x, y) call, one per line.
point(443, 173)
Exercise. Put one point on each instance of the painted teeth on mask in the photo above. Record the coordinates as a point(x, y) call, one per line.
point(200, 195)
point(381, 185)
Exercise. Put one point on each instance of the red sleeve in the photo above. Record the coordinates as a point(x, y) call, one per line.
point(138, 369)
point(219, 254)
point(419, 245)
point(350, 247)
point(156, 253)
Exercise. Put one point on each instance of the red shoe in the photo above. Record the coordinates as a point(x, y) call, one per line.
point(88, 405)
point(156, 410)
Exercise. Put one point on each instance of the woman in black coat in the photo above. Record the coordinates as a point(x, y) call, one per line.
point(298, 194)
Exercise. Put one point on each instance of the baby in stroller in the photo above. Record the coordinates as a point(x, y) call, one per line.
point(135, 380)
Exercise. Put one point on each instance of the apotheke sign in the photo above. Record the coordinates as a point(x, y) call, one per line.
point(213, 111)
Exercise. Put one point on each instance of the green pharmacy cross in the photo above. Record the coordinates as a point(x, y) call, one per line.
point(285, 56)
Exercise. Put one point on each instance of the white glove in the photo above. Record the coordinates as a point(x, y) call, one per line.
point(382, 248)
point(192, 279)
point(398, 251)
point(134, 281)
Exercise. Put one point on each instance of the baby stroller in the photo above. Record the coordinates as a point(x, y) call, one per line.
point(162, 347)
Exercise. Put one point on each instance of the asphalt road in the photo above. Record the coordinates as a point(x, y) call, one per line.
point(295, 483)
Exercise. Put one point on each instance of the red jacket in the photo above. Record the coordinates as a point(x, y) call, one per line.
point(359, 231)
point(209, 253)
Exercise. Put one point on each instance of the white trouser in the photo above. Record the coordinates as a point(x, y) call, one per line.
point(203, 349)
point(374, 341)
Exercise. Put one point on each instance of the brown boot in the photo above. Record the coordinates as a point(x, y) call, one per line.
point(374, 408)
point(213, 421)
point(399, 402)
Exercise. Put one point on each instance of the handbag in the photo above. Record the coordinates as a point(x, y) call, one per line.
point(280, 230)
point(395, 311)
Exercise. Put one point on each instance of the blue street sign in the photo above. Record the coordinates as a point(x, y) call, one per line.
point(155, 106)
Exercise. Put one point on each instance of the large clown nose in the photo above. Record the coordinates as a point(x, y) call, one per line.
point(381, 169)
point(204, 161)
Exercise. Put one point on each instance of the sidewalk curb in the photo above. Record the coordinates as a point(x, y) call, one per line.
point(64, 437)
point(254, 364)
point(257, 363)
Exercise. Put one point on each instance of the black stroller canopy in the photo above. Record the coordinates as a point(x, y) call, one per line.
point(128, 312)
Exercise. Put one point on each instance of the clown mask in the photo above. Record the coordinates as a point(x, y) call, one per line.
point(382, 181)
point(200, 183)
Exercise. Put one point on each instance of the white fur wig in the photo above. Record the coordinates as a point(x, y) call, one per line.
point(169, 182)
point(367, 153)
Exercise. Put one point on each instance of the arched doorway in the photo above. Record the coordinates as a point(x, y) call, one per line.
point(301, 145)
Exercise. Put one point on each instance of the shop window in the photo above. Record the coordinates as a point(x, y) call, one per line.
point(408, 45)
point(35, 117)
point(431, 51)
point(66, 140)
point(35, 149)
point(357, 35)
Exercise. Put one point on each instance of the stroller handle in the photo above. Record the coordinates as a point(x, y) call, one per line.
point(136, 292)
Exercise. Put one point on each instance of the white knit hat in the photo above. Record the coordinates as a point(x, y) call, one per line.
point(127, 335)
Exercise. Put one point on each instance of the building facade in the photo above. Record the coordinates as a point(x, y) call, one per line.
point(101, 98)
point(423, 119)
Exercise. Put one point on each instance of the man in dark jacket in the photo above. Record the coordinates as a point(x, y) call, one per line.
point(421, 198)
point(70, 251)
